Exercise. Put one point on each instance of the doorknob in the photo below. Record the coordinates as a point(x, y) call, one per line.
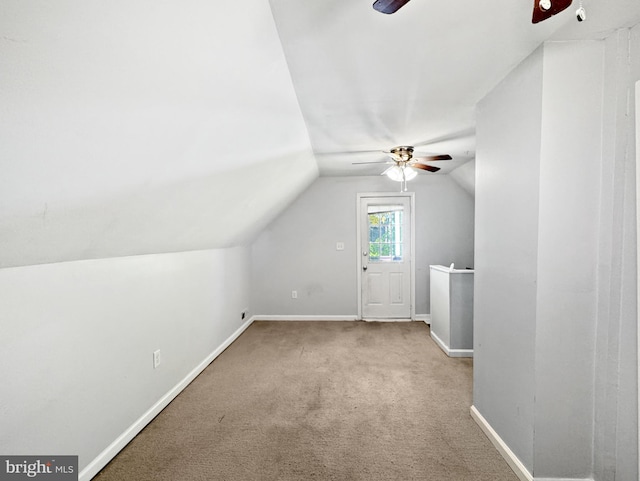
point(364, 268)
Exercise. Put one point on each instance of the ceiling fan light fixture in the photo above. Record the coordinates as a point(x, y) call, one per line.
point(401, 173)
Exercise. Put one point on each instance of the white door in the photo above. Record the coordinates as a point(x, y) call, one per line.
point(385, 257)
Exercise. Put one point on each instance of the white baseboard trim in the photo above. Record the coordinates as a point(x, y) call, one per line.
point(426, 318)
point(375, 319)
point(289, 317)
point(563, 479)
point(512, 460)
point(116, 446)
point(460, 353)
point(451, 352)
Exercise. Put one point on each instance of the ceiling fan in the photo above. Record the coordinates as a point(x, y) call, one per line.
point(388, 6)
point(404, 164)
point(542, 9)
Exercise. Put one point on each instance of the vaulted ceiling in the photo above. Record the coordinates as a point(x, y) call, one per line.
point(160, 126)
point(134, 127)
point(367, 81)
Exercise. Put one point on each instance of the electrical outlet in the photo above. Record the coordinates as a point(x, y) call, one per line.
point(294, 294)
point(156, 358)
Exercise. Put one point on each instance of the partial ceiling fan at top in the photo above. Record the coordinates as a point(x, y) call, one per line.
point(542, 9)
point(388, 6)
point(545, 9)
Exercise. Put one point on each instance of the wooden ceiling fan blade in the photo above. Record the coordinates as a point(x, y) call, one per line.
point(544, 9)
point(431, 158)
point(430, 168)
point(388, 6)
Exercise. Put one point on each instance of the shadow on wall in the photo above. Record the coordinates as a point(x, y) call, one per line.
point(221, 210)
point(465, 176)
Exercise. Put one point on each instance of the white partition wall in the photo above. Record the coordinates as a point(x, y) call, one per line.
point(452, 310)
point(556, 272)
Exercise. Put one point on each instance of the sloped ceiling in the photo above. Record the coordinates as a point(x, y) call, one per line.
point(367, 81)
point(135, 127)
point(142, 127)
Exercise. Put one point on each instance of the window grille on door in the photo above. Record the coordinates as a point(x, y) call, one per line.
point(385, 233)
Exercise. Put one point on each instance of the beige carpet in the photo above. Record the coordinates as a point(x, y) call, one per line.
point(320, 401)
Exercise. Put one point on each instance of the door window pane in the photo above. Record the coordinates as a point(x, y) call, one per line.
point(385, 233)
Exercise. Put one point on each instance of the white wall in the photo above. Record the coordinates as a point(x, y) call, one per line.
point(465, 175)
point(555, 301)
point(506, 245)
point(298, 250)
point(566, 276)
point(78, 337)
point(616, 374)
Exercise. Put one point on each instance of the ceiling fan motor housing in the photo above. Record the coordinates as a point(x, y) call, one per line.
point(403, 152)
